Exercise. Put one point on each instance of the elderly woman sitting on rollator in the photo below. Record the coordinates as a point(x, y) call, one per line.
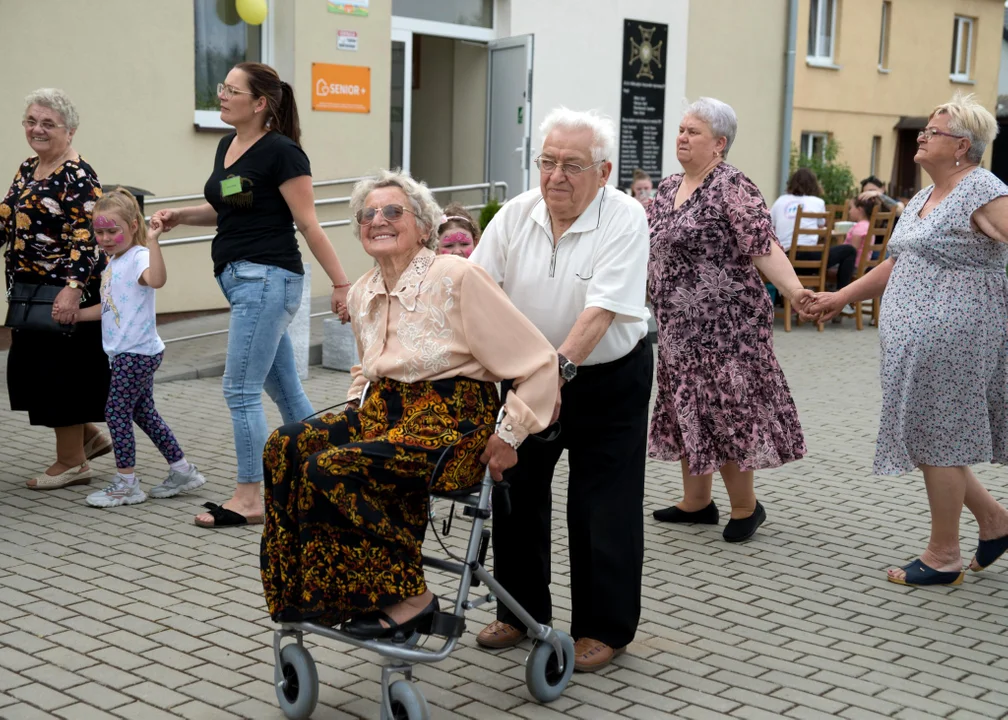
point(346, 494)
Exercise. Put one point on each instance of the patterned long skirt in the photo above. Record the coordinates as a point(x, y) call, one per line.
point(346, 495)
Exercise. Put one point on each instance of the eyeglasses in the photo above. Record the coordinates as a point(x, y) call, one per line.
point(929, 132)
point(389, 212)
point(229, 92)
point(547, 165)
point(46, 125)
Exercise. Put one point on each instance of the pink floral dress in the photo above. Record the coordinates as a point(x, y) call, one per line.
point(722, 397)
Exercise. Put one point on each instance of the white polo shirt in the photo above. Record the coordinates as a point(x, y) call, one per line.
point(601, 261)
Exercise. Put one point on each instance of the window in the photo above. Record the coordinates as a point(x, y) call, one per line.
point(822, 31)
point(813, 144)
point(222, 39)
point(883, 47)
point(876, 151)
point(962, 48)
point(475, 13)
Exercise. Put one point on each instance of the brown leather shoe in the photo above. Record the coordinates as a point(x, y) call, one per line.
point(592, 655)
point(498, 635)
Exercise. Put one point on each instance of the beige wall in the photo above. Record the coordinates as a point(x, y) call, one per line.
point(725, 61)
point(136, 106)
point(856, 101)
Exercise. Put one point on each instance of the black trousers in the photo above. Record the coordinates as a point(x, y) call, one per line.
point(842, 256)
point(604, 422)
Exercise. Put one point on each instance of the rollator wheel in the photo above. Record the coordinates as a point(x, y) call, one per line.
point(407, 702)
point(296, 682)
point(542, 671)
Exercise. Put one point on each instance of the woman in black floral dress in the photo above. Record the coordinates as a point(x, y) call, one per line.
point(723, 403)
point(61, 381)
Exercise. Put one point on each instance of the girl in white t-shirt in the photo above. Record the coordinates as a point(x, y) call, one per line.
point(802, 190)
point(130, 339)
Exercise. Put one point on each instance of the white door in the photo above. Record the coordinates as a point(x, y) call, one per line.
point(509, 112)
point(401, 105)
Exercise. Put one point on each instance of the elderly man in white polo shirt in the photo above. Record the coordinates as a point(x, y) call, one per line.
point(572, 256)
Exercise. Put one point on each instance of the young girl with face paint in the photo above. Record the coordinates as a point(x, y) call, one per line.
point(458, 233)
point(129, 334)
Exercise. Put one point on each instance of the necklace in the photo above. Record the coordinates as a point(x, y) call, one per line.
point(39, 175)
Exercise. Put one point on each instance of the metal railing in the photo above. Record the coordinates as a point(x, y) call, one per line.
point(489, 189)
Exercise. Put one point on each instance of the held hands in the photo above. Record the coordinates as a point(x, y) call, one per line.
point(66, 305)
point(168, 219)
point(155, 229)
point(338, 304)
point(824, 306)
point(498, 457)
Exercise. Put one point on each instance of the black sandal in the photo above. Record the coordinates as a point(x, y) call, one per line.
point(222, 517)
point(369, 627)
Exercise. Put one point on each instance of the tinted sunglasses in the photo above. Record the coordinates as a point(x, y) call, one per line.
point(391, 213)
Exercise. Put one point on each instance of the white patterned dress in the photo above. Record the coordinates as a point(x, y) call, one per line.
point(943, 330)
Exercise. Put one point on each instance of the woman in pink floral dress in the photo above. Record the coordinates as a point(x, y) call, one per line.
point(723, 403)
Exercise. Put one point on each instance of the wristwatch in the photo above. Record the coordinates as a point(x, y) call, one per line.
point(74, 285)
point(568, 370)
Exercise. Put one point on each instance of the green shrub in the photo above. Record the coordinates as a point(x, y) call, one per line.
point(836, 178)
point(488, 211)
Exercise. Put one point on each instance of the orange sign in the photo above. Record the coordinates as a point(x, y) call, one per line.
point(341, 88)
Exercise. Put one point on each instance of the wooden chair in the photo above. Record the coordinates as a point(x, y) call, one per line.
point(873, 252)
point(840, 212)
point(816, 281)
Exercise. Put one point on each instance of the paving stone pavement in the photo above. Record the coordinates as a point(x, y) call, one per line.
point(136, 613)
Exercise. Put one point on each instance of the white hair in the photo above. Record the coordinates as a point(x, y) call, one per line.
point(53, 99)
point(425, 209)
point(602, 127)
point(719, 116)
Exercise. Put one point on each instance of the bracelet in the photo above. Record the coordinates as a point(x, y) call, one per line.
point(342, 285)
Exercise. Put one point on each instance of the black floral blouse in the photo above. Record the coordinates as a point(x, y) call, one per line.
point(46, 225)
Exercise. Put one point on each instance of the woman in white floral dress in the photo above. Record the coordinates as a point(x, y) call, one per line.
point(943, 329)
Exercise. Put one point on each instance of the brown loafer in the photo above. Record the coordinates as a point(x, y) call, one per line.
point(498, 635)
point(593, 655)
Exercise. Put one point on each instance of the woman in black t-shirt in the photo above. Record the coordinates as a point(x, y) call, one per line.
point(260, 187)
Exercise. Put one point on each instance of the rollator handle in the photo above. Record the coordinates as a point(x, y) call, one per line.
point(503, 499)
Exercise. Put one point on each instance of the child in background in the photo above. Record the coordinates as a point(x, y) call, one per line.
point(458, 233)
point(130, 339)
point(860, 212)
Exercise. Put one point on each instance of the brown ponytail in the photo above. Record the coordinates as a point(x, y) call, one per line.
point(281, 108)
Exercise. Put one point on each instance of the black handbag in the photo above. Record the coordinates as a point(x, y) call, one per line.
point(30, 306)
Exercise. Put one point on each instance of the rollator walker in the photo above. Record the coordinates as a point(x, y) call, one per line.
point(548, 668)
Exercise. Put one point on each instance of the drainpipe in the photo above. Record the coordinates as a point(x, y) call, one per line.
point(789, 69)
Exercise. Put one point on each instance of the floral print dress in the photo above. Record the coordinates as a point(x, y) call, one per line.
point(722, 396)
point(46, 225)
point(943, 331)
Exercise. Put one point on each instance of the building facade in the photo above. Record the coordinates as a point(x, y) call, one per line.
point(869, 72)
point(453, 91)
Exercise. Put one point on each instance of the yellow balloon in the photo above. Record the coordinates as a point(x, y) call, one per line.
point(251, 11)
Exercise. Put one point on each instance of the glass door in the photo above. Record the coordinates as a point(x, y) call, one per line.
point(401, 106)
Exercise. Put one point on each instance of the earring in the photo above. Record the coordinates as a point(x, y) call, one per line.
point(957, 163)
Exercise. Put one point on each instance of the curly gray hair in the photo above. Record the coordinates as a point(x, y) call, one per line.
point(425, 209)
point(53, 99)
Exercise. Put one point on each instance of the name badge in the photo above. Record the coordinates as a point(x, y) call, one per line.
point(230, 186)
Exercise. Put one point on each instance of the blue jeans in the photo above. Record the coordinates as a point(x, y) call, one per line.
point(263, 299)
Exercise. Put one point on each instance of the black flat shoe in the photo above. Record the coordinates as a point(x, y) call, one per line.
point(744, 528)
point(369, 626)
point(707, 516)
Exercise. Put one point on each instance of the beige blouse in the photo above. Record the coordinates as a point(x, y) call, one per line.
point(446, 318)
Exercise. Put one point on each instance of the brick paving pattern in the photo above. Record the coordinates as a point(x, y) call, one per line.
point(136, 613)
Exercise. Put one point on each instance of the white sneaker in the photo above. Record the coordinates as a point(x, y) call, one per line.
point(848, 310)
point(118, 493)
point(177, 482)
